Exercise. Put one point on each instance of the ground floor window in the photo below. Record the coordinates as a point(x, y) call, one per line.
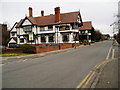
point(43, 38)
point(51, 38)
point(65, 37)
point(76, 36)
point(21, 40)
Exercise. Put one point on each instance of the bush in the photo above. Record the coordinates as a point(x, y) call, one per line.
point(28, 48)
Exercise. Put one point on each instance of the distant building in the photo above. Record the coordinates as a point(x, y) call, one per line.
point(53, 28)
point(4, 34)
point(105, 36)
point(85, 32)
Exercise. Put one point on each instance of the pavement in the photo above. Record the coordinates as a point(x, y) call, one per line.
point(109, 77)
point(61, 70)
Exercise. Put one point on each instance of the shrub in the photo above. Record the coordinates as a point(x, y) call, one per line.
point(28, 48)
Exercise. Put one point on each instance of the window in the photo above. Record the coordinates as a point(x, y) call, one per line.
point(50, 27)
point(82, 32)
point(76, 36)
point(64, 28)
point(74, 26)
point(21, 40)
point(65, 37)
point(78, 20)
point(51, 38)
point(89, 31)
point(27, 28)
point(43, 39)
point(13, 33)
point(42, 28)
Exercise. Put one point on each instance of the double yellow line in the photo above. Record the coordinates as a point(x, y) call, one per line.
point(90, 75)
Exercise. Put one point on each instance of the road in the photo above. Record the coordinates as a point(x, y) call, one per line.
point(63, 70)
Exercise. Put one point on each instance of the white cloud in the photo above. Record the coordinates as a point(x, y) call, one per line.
point(59, 1)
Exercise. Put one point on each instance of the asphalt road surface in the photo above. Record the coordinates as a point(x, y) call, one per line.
point(63, 70)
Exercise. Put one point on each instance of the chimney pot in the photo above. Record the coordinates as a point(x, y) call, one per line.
point(30, 12)
point(57, 14)
point(42, 13)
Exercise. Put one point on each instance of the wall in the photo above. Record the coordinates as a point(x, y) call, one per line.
point(47, 49)
point(40, 49)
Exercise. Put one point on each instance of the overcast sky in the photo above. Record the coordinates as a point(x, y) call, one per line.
point(100, 12)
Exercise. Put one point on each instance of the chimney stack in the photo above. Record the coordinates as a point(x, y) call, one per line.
point(57, 14)
point(30, 12)
point(42, 13)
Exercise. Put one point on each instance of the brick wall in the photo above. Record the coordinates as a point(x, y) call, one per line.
point(41, 48)
point(47, 49)
point(66, 45)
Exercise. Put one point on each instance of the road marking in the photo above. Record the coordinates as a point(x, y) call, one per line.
point(113, 53)
point(88, 80)
point(83, 81)
point(108, 55)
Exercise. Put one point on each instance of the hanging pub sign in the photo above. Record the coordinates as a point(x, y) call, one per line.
point(30, 36)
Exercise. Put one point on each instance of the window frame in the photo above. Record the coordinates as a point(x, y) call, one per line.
point(27, 29)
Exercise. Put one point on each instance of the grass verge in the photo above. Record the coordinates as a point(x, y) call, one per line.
point(12, 54)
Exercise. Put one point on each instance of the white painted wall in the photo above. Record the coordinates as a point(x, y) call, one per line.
point(36, 30)
point(12, 41)
point(26, 22)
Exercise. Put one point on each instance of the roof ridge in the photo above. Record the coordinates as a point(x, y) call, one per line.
point(54, 14)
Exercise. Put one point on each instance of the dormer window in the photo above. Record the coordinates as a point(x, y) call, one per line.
point(78, 20)
point(74, 26)
point(27, 28)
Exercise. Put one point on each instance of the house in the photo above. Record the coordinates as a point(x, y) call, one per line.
point(4, 34)
point(44, 29)
point(85, 32)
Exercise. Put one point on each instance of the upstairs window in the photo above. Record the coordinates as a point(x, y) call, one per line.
point(89, 31)
point(74, 26)
point(27, 29)
point(42, 28)
point(50, 27)
point(64, 28)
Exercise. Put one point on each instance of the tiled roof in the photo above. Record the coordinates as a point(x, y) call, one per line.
point(86, 26)
point(50, 19)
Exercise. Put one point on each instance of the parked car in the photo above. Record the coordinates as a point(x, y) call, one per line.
point(13, 45)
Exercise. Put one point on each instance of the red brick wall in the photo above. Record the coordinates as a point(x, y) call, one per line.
point(76, 44)
point(66, 45)
point(48, 48)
